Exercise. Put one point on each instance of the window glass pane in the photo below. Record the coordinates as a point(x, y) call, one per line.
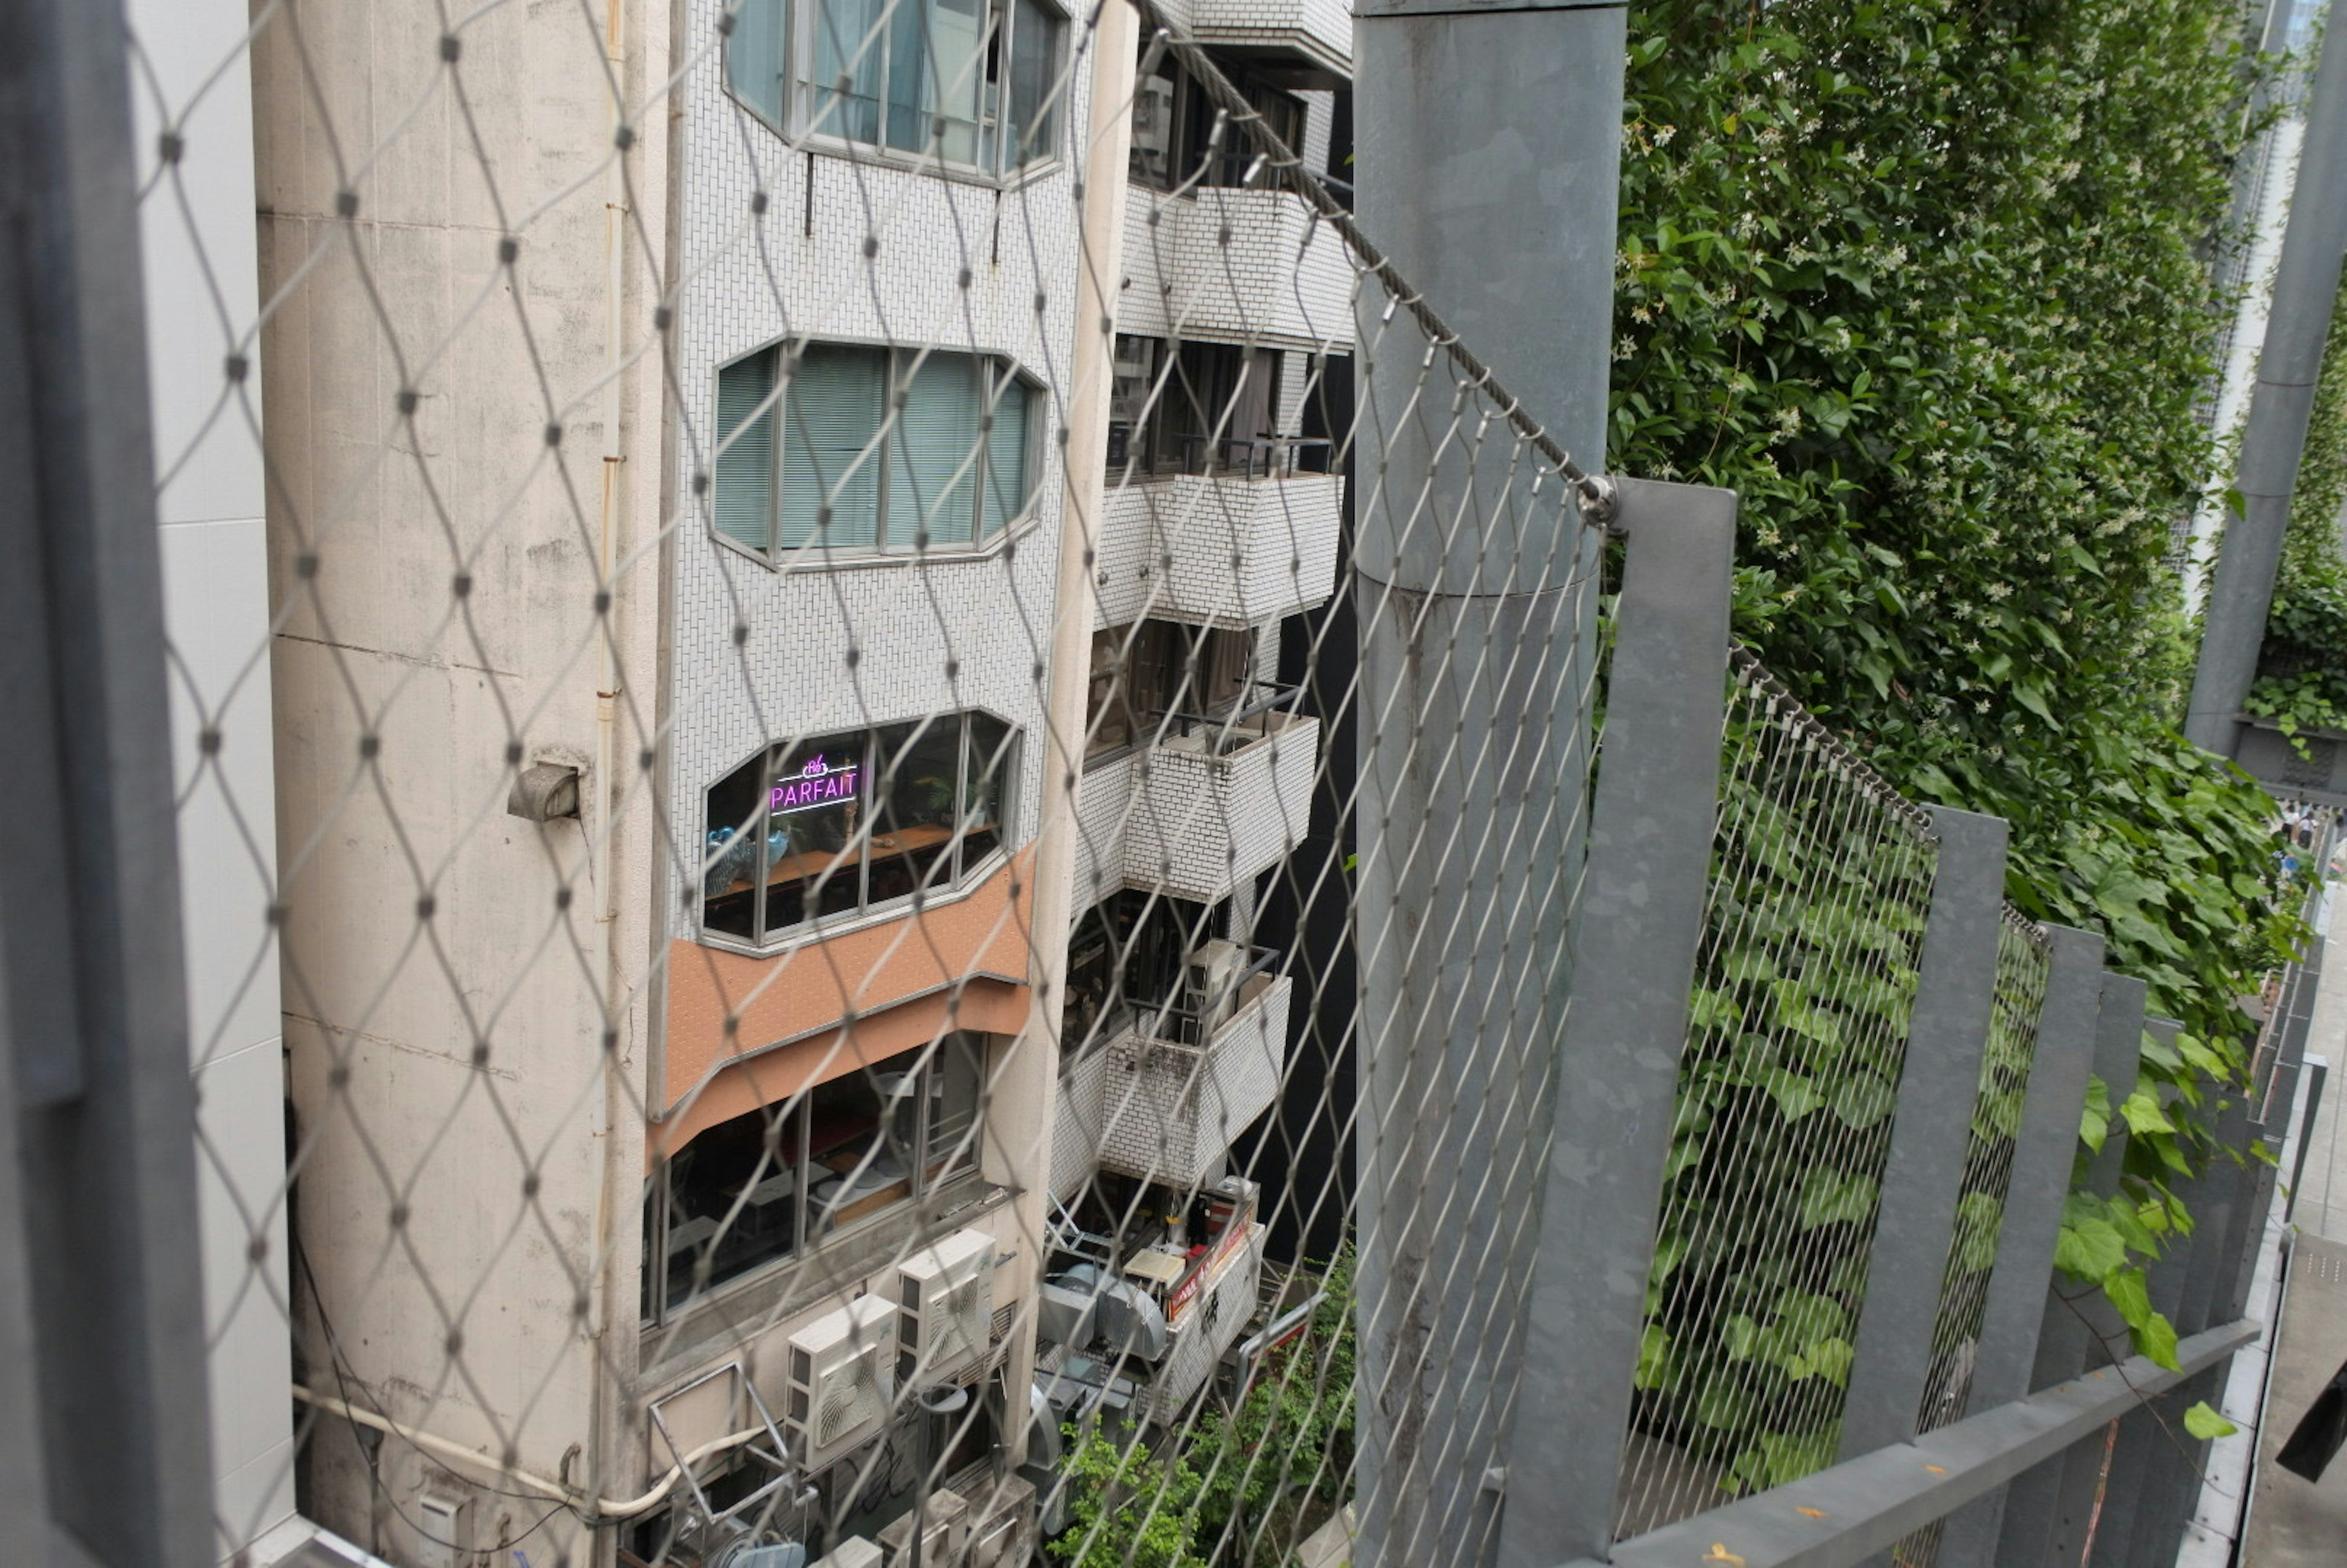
point(730, 852)
point(733, 1197)
point(950, 81)
point(864, 1127)
point(989, 769)
point(1035, 32)
point(753, 58)
point(744, 483)
point(935, 457)
point(1006, 452)
point(831, 424)
point(912, 842)
point(957, 1073)
point(813, 802)
point(847, 42)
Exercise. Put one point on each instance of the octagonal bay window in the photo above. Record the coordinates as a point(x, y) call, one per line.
point(831, 828)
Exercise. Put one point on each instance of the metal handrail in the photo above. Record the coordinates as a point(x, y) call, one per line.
point(1231, 718)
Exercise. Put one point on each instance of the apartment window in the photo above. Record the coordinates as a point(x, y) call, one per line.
point(868, 1142)
point(1158, 678)
point(1173, 142)
point(834, 827)
point(808, 455)
point(972, 83)
point(1193, 408)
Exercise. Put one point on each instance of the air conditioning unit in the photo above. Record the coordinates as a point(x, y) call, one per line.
point(945, 1532)
point(1004, 1534)
point(1210, 979)
point(842, 1378)
point(946, 1292)
point(1153, 115)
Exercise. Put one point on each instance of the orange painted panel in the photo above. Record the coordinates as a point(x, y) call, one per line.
point(962, 964)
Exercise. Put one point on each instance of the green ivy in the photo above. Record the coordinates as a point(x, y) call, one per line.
point(2301, 681)
point(1928, 285)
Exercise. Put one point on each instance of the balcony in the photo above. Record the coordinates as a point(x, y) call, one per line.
point(1301, 43)
point(1169, 1109)
point(1245, 543)
point(1217, 802)
point(1233, 265)
point(1204, 1328)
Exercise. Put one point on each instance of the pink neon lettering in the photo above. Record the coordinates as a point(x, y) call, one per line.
point(818, 784)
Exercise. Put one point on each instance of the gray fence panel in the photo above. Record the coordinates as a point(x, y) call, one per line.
point(1838, 1516)
point(2032, 1213)
point(1954, 994)
point(1635, 938)
point(96, 1026)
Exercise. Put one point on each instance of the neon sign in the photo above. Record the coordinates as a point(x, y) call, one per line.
point(820, 782)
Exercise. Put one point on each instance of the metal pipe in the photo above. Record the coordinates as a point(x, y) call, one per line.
point(2306, 282)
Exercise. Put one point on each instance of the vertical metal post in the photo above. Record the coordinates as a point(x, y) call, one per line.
point(2306, 282)
point(1634, 942)
point(95, 1024)
point(2171, 1477)
point(2047, 1508)
point(1955, 994)
point(1487, 163)
point(2041, 1158)
point(2317, 1074)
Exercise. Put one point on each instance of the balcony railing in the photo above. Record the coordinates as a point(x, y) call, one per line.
point(1225, 548)
point(1308, 42)
point(1235, 265)
point(1218, 801)
point(1171, 1106)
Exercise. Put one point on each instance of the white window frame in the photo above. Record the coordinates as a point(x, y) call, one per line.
point(799, 25)
point(776, 557)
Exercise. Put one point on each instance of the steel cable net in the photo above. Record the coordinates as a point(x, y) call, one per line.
point(1821, 884)
point(768, 817)
point(2022, 966)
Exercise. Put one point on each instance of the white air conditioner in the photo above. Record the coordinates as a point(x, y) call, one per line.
point(1004, 1534)
point(842, 1378)
point(856, 1552)
point(946, 1293)
point(1210, 980)
point(1153, 115)
point(945, 1532)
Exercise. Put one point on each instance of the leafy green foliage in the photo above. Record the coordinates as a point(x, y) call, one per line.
point(1926, 284)
point(1127, 1508)
point(1804, 986)
point(1281, 1463)
point(2204, 1423)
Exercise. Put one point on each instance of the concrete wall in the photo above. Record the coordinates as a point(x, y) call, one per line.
point(466, 1079)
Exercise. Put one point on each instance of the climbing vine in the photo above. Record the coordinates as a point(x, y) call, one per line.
point(2301, 681)
point(1928, 285)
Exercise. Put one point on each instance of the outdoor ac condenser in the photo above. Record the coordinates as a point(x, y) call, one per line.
point(842, 1378)
point(1212, 979)
point(946, 1296)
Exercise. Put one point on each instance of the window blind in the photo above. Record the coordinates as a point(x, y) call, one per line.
point(832, 413)
point(1005, 455)
point(744, 479)
point(933, 472)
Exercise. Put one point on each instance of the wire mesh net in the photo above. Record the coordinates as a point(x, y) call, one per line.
point(797, 642)
point(1820, 886)
point(768, 791)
